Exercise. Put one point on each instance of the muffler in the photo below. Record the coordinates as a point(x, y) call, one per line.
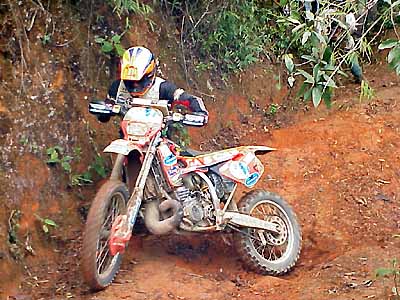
point(152, 216)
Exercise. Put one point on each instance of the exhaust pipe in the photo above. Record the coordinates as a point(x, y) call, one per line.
point(152, 216)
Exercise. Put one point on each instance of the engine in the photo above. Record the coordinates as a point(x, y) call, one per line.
point(196, 199)
point(197, 207)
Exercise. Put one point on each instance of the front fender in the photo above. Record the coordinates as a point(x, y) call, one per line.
point(123, 147)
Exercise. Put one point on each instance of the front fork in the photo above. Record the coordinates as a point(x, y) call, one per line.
point(121, 230)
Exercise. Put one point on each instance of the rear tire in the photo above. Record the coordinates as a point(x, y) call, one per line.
point(98, 266)
point(262, 251)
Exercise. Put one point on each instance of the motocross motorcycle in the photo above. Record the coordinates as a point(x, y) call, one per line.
point(180, 192)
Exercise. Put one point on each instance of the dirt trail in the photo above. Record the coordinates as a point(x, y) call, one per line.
point(338, 168)
point(340, 171)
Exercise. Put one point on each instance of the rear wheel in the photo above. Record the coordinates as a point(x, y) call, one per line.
point(98, 265)
point(266, 252)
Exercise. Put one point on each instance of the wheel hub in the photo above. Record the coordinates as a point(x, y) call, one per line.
point(279, 238)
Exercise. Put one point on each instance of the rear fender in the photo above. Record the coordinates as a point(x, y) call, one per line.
point(245, 168)
point(258, 150)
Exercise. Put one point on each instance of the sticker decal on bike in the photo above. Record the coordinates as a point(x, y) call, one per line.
point(239, 169)
point(173, 171)
point(133, 212)
point(170, 160)
point(252, 179)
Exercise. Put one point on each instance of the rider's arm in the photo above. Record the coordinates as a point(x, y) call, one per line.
point(113, 90)
point(171, 92)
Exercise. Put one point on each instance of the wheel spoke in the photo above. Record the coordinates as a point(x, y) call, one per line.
point(276, 243)
point(100, 265)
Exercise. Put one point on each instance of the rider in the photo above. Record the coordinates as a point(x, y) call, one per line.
point(138, 79)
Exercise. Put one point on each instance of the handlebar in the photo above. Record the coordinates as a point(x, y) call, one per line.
point(105, 109)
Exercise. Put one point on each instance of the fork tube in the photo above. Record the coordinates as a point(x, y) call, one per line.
point(136, 198)
point(117, 169)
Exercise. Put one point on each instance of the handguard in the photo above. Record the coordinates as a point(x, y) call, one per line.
point(195, 119)
point(100, 108)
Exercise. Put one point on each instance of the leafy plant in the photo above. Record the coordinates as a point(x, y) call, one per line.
point(46, 223)
point(46, 39)
point(112, 44)
point(238, 37)
point(130, 6)
point(273, 109)
point(392, 272)
point(317, 47)
point(99, 166)
point(77, 153)
point(56, 155)
point(366, 91)
point(393, 57)
point(81, 179)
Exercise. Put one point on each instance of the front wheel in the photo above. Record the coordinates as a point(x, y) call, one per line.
point(98, 265)
point(266, 252)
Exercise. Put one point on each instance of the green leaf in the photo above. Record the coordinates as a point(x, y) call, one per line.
point(107, 47)
point(99, 40)
point(116, 38)
point(309, 78)
point(291, 81)
point(329, 81)
point(302, 90)
point(327, 96)
point(382, 272)
point(305, 37)
point(398, 70)
point(316, 95)
point(120, 49)
point(50, 222)
point(289, 63)
point(298, 27)
point(294, 21)
point(307, 94)
point(309, 58)
point(66, 166)
point(394, 56)
point(390, 43)
point(67, 158)
point(328, 55)
point(316, 73)
point(320, 37)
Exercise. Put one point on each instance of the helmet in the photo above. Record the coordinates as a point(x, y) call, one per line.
point(138, 70)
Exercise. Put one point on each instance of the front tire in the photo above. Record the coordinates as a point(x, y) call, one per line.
point(98, 266)
point(265, 252)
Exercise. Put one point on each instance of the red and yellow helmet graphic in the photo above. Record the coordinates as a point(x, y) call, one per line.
point(137, 62)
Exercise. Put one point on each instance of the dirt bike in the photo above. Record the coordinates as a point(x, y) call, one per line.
point(180, 192)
